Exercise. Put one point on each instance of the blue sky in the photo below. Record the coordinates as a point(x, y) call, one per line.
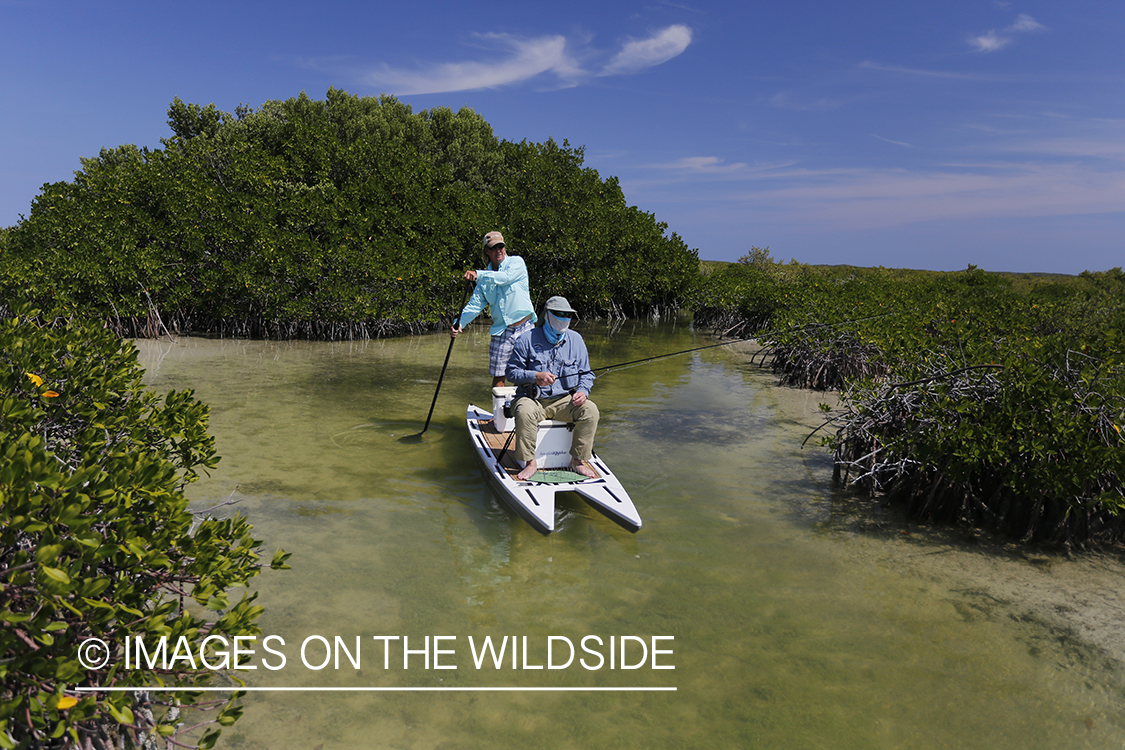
point(921, 135)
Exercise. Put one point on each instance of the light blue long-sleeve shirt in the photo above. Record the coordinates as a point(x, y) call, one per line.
point(507, 293)
point(568, 361)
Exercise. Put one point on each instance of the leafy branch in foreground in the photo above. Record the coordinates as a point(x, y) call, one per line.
point(98, 541)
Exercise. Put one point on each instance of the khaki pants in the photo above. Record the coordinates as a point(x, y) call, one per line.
point(529, 412)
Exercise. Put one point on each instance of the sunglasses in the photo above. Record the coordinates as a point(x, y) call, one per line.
point(496, 247)
point(560, 316)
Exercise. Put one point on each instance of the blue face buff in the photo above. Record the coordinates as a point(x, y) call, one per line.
point(555, 327)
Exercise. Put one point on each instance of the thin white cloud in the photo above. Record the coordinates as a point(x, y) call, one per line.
point(994, 130)
point(1107, 149)
point(993, 41)
point(894, 143)
point(1039, 174)
point(679, 6)
point(697, 170)
point(866, 199)
point(785, 100)
point(704, 165)
point(869, 65)
point(638, 55)
point(990, 42)
point(1025, 23)
point(526, 59)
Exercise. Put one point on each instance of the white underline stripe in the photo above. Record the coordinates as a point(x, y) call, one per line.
point(156, 689)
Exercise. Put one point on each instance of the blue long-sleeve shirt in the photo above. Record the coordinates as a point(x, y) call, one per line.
point(565, 360)
point(507, 293)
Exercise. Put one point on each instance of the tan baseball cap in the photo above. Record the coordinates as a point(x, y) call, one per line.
point(492, 239)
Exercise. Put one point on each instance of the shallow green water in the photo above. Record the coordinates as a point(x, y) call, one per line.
point(787, 631)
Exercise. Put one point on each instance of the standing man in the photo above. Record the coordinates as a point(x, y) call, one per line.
point(504, 287)
point(552, 367)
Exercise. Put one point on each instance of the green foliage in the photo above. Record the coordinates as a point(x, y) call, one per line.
point(191, 120)
point(97, 539)
point(338, 218)
point(758, 257)
point(1030, 443)
point(969, 396)
point(580, 239)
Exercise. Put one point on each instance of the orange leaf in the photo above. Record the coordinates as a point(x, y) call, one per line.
point(50, 394)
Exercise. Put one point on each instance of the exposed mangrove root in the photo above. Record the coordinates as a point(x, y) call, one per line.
point(185, 322)
point(817, 356)
point(151, 326)
point(824, 364)
point(730, 323)
point(912, 443)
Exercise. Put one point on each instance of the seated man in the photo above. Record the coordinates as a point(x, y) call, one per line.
point(552, 367)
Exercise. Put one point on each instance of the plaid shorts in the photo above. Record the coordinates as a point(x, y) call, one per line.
point(500, 349)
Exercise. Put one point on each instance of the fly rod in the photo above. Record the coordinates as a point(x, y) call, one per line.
point(728, 343)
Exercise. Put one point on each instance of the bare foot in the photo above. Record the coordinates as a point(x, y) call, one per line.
point(581, 468)
point(528, 471)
